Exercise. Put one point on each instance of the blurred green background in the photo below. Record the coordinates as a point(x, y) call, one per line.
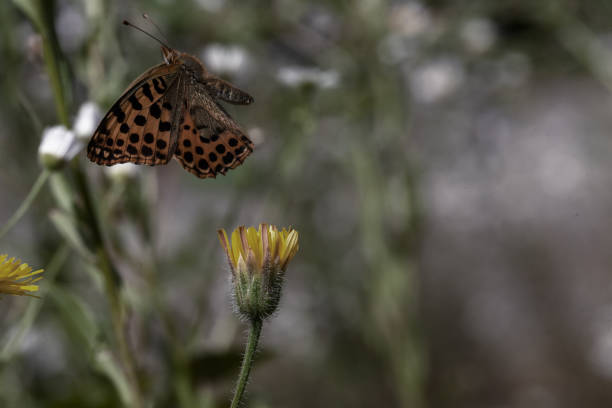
point(445, 163)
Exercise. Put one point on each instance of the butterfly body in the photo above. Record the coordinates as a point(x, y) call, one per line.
point(174, 110)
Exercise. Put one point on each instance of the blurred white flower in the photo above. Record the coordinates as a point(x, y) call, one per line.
point(121, 171)
point(222, 58)
point(297, 76)
point(478, 34)
point(87, 121)
point(208, 5)
point(58, 146)
point(434, 81)
point(396, 48)
point(409, 19)
point(257, 135)
point(71, 28)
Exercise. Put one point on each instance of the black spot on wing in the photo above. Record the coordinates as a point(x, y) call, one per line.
point(119, 113)
point(159, 89)
point(140, 120)
point(155, 111)
point(146, 90)
point(228, 158)
point(134, 102)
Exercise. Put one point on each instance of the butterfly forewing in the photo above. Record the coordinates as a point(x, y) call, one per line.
point(138, 127)
point(209, 142)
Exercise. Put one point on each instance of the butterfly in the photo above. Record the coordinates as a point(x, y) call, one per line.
point(173, 110)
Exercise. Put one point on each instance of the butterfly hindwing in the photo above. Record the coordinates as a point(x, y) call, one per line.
point(137, 128)
point(209, 141)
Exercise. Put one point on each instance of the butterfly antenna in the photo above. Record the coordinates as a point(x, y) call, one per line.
point(150, 20)
point(127, 23)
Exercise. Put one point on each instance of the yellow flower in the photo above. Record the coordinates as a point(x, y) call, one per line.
point(17, 278)
point(258, 259)
point(272, 244)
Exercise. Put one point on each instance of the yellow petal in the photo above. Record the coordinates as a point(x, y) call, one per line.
point(237, 249)
point(226, 246)
point(254, 240)
point(289, 249)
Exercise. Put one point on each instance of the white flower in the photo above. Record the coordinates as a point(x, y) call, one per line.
point(228, 59)
point(58, 146)
point(410, 19)
point(296, 76)
point(87, 120)
point(436, 80)
point(121, 171)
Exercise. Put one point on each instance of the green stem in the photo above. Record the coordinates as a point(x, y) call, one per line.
point(118, 321)
point(25, 205)
point(112, 286)
point(247, 361)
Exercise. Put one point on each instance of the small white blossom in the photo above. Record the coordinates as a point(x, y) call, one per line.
point(58, 146)
point(121, 171)
point(257, 135)
point(410, 19)
point(72, 28)
point(228, 59)
point(297, 76)
point(87, 120)
point(436, 80)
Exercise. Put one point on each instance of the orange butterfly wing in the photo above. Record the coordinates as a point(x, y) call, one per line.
point(209, 142)
point(139, 126)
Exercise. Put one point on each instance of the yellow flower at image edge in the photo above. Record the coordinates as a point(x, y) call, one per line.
point(17, 278)
point(258, 259)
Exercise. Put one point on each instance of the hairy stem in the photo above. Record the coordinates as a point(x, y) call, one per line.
point(247, 361)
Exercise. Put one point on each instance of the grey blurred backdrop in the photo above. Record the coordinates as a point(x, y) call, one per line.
point(445, 162)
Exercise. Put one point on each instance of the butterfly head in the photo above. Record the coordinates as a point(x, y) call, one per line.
point(171, 56)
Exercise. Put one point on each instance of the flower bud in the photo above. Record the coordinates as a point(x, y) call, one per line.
point(258, 260)
point(122, 172)
point(58, 147)
point(86, 121)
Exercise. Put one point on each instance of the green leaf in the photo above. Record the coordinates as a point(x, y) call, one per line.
point(30, 8)
point(109, 367)
point(67, 228)
point(62, 191)
point(77, 316)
